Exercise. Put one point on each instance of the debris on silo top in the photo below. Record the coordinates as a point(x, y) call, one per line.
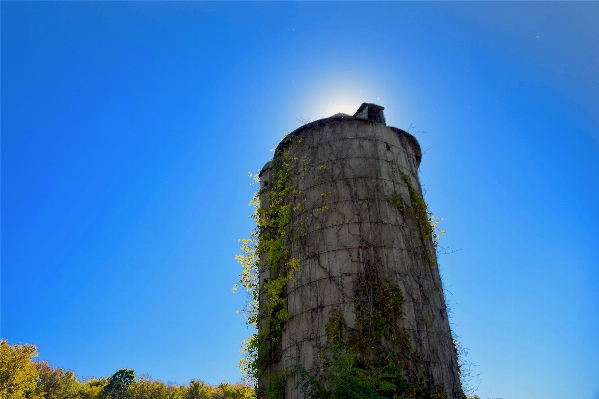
point(371, 112)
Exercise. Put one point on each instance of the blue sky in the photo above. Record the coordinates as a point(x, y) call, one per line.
point(128, 130)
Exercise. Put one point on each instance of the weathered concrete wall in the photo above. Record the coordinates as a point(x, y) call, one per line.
point(346, 170)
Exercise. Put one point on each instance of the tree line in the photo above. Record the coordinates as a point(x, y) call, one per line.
point(23, 378)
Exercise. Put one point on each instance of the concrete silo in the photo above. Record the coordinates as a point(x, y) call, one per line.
point(350, 292)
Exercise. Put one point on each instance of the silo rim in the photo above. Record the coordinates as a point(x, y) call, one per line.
point(343, 118)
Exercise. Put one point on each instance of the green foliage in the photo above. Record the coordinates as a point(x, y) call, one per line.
point(395, 200)
point(56, 383)
point(418, 209)
point(18, 374)
point(22, 378)
point(198, 390)
point(235, 391)
point(270, 244)
point(118, 384)
point(276, 386)
point(378, 308)
point(93, 388)
point(375, 358)
point(249, 279)
point(147, 388)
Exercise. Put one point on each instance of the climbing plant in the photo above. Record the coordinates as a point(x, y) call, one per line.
point(418, 209)
point(374, 359)
point(269, 247)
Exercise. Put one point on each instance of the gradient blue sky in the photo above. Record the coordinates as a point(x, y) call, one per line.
point(128, 130)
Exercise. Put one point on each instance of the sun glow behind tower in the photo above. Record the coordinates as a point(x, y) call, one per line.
point(327, 90)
